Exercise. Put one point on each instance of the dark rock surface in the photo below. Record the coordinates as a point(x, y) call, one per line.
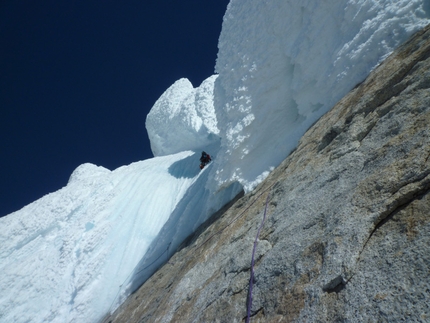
point(347, 235)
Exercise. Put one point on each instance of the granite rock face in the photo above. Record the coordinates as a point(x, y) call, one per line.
point(347, 234)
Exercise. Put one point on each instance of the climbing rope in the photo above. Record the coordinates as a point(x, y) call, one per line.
point(236, 218)
point(187, 256)
point(251, 279)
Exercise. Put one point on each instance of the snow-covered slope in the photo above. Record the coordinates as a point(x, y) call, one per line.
point(64, 256)
point(75, 254)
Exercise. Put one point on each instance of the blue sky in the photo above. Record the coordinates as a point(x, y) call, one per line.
point(77, 79)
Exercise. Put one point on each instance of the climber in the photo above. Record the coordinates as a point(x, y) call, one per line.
point(204, 160)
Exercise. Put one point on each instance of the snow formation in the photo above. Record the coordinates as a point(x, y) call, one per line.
point(183, 118)
point(75, 254)
point(64, 256)
point(283, 64)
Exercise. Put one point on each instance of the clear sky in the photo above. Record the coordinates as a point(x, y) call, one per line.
point(77, 79)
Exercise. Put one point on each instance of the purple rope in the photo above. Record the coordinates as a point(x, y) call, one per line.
point(251, 280)
point(210, 237)
point(240, 215)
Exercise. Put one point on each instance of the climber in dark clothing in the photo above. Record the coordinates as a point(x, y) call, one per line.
point(204, 160)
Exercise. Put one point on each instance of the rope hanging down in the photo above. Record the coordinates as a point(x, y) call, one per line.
point(251, 279)
point(188, 256)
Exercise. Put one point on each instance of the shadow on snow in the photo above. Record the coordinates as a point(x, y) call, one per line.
point(187, 167)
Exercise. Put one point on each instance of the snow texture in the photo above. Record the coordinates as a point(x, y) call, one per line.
point(64, 256)
point(77, 253)
point(183, 118)
point(283, 64)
